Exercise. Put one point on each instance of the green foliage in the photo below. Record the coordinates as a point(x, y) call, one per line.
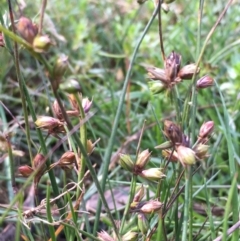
point(108, 47)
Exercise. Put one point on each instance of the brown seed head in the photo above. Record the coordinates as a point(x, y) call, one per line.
point(187, 71)
point(170, 155)
point(206, 130)
point(104, 236)
point(153, 174)
point(130, 236)
point(67, 159)
point(173, 132)
point(157, 74)
point(139, 194)
point(60, 66)
point(143, 159)
point(56, 110)
point(25, 170)
point(186, 155)
point(41, 43)
point(151, 206)
point(27, 29)
point(172, 66)
point(205, 82)
point(201, 151)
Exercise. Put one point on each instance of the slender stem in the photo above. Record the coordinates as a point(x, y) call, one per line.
point(186, 203)
point(108, 153)
point(132, 191)
point(160, 29)
point(44, 4)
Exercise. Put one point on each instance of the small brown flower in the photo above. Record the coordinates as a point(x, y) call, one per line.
point(173, 132)
point(143, 159)
point(206, 130)
point(139, 194)
point(186, 155)
point(205, 82)
point(151, 206)
point(27, 29)
point(187, 71)
point(25, 170)
point(41, 43)
point(152, 174)
point(172, 66)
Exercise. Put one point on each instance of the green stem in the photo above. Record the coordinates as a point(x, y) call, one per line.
point(108, 153)
point(186, 202)
point(132, 192)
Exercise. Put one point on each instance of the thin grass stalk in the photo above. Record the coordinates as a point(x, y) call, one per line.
point(83, 138)
point(160, 230)
point(19, 224)
point(186, 202)
point(49, 214)
point(209, 212)
point(108, 152)
point(131, 195)
point(228, 209)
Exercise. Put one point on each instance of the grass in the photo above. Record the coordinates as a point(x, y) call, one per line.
point(109, 44)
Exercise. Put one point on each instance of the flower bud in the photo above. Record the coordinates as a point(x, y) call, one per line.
point(68, 158)
point(143, 159)
point(56, 110)
point(186, 155)
point(201, 151)
point(60, 66)
point(205, 82)
point(152, 174)
point(151, 206)
point(170, 155)
point(157, 74)
point(165, 145)
point(71, 86)
point(143, 223)
point(206, 130)
point(187, 71)
point(172, 66)
point(139, 194)
point(41, 43)
point(130, 236)
point(86, 104)
point(3, 143)
point(90, 147)
point(73, 101)
point(104, 236)
point(126, 162)
point(25, 170)
point(27, 29)
point(47, 122)
point(156, 87)
point(173, 132)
